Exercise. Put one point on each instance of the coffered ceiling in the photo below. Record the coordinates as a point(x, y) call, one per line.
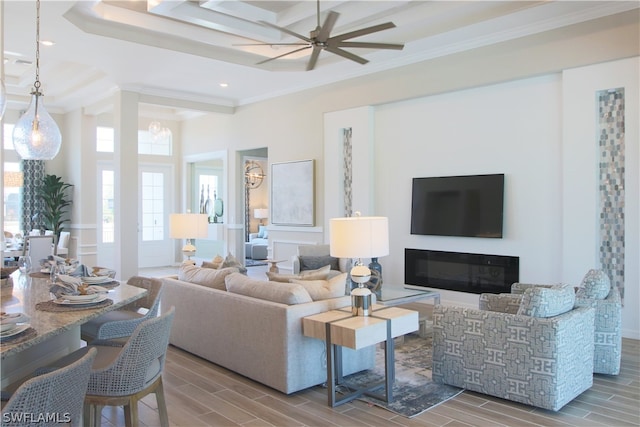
point(187, 50)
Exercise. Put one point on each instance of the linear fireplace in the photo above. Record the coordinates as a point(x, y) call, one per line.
point(462, 272)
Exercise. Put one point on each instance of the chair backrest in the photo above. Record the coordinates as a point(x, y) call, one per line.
point(39, 247)
point(58, 394)
point(63, 242)
point(152, 300)
point(139, 363)
point(313, 250)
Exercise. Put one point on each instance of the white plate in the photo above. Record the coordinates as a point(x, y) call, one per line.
point(6, 327)
point(85, 298)
point(92, 280)
point(62, 301)
point(15, 331)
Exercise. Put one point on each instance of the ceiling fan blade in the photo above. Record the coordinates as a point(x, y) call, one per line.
point(271, 44)
point(364, 31)
point(325, 30)
point(286, 31)
point(283, 55)
point(314, 58)
point(345, 54)
point(370, 45)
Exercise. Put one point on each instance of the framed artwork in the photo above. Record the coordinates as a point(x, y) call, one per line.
point(293, 193)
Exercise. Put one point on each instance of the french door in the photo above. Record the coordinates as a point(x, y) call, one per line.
point(155, 248)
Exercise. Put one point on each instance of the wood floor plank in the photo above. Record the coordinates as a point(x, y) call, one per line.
point(199, 393)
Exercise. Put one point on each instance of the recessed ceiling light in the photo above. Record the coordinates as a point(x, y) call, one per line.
point(47, 43)
point(223, 85)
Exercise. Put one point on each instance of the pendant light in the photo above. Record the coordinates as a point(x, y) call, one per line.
point(36, 135)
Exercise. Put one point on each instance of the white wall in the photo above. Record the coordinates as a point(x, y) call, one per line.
point(580, 229)
point(512, 128)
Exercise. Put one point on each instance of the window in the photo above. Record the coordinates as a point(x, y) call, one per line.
point(159, 145)
point(13, 182)
point(104, 139)
point(107, 206)
point(8, 136)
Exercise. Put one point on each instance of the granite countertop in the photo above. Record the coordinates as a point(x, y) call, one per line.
point(28, 291)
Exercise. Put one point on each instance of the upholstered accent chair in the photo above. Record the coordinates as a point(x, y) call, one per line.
point(596, 291)
point(535, 348)
point(312, 257)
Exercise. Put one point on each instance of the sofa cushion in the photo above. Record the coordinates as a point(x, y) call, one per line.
point(208, 277)
point(214, 263)
point(315, 262)
point(595, 285)
point(321, 273)
point(231, 261)
point(547, 301)
point(324, 289)
point(284, 293)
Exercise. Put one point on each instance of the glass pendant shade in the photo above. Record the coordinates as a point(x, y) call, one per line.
point(36, 135)
point(3, 99)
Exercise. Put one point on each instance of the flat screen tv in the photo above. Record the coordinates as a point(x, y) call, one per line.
point(467, 206)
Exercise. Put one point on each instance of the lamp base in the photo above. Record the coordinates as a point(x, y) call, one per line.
point(361, 302)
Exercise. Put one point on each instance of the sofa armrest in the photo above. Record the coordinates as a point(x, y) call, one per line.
point(519, 288)
point(295, 263)
point(502, 303)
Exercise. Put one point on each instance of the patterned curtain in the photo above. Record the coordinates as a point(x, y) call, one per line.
point(611, 184)
point(33, 171)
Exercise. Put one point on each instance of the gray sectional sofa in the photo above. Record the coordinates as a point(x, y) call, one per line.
point(253, 335)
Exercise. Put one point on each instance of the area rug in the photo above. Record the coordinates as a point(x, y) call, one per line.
point(248, 262)
point(413, 390)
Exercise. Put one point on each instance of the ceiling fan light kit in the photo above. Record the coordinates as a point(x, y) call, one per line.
point(320, 39)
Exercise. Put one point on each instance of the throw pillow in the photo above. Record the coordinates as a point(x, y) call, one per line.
point(215, 262)
point(318, 274)
point(595, 285)
point(212, 265)
point(547, 301)
point(283, 293)
point(315, 262)
point(324, 289)
point(263, 233)
point(231, 261)
point(209, 277)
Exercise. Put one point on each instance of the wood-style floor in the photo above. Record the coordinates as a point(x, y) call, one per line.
point(199, 393)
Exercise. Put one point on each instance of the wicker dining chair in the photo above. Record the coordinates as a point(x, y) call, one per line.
point(121, 323)
point(52, 398)
point(124, 375)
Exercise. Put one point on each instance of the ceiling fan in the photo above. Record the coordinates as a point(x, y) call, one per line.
point(320, 39)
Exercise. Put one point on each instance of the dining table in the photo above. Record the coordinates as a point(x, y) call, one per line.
point(53, 326)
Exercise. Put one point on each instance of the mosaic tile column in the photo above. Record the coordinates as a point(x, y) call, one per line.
point(33, 171)
point(347, 151)
point(611, 183)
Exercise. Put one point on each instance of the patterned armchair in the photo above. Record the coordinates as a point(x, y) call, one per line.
point(535, 356)
point(596, 291)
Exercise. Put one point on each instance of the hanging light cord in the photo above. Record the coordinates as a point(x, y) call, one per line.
point(36, 85)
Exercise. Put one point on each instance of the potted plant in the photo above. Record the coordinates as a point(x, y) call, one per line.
point(55, 203)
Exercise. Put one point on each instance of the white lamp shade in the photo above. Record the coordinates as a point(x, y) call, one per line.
point(261, 213)
point(359, 237)
point(188, 226)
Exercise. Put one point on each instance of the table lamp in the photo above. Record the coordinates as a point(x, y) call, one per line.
point(359, 237)
point(261, 214)
point(188, 226)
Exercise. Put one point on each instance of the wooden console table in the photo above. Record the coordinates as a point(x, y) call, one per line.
point(339, 328)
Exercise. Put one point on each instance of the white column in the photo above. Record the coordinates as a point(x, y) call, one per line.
point(126, 183)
